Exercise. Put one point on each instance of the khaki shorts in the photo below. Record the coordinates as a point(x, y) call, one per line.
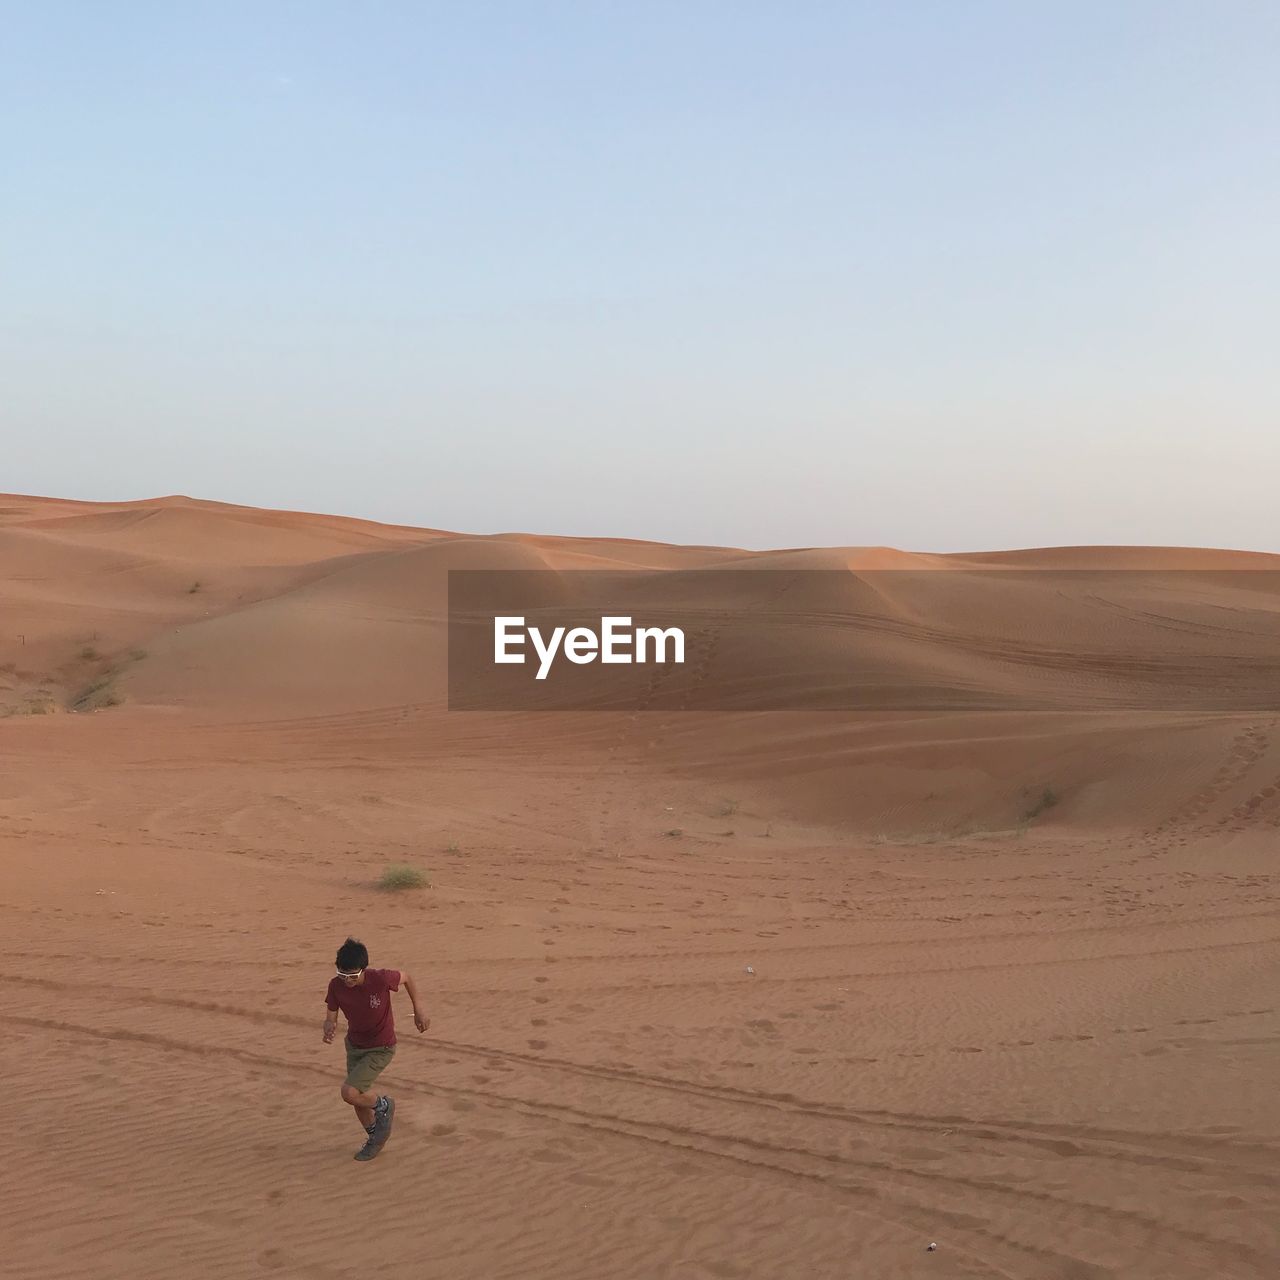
point(364, 1066)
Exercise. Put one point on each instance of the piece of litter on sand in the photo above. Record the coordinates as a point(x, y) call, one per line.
point(750, 969)
point(933, 1248)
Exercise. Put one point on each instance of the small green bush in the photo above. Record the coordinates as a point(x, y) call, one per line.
point(101, 693)
point(402, 877)
point(1048, 798)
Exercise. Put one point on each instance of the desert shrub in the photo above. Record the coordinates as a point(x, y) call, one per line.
point(101, 693)
point(402, 877)
point(1048, 798)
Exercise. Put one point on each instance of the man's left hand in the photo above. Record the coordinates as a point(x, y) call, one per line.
point(421, 1021)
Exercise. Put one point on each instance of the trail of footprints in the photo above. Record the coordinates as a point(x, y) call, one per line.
point(707, 648)
point(1249, 746)
point(612, 825)
point(1263, 805)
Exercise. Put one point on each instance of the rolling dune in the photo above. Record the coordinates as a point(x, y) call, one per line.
point(715, 993)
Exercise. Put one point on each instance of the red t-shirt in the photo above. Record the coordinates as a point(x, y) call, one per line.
point(367, 1007)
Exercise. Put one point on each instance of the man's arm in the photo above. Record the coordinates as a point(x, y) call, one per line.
point(330, 1024)
point(420, 1019)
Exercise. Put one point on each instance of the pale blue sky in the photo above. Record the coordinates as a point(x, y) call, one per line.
point(941, 275)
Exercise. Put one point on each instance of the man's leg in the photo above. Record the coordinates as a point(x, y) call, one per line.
point(364, 1066)
point(373, 1110)
point(363, 1103)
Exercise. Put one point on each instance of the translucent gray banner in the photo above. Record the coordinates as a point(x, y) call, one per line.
point(963, 639)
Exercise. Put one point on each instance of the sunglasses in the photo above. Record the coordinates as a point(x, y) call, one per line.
point(357, 973)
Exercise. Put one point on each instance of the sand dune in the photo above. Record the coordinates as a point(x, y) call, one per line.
point(1013, 965)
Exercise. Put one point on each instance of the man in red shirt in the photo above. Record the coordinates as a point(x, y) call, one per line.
point(364, 996)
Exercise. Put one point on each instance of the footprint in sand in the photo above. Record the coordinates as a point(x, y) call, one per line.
point(549, 1155)
point(726, 1270)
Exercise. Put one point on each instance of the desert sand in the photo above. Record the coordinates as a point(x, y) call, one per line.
point(743, 994)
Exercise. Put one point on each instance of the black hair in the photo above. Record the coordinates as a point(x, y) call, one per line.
point(352, 955)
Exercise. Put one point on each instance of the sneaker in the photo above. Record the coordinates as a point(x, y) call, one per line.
point(369, 1150)
point(382, 1121)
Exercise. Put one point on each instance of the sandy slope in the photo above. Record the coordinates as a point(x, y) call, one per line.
point(1044, 1037)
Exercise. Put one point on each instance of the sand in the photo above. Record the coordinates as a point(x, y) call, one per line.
point(784, 994)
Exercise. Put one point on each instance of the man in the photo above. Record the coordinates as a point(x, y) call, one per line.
point(364, 996)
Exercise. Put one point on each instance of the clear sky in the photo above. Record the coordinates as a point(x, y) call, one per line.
point(942, 275)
